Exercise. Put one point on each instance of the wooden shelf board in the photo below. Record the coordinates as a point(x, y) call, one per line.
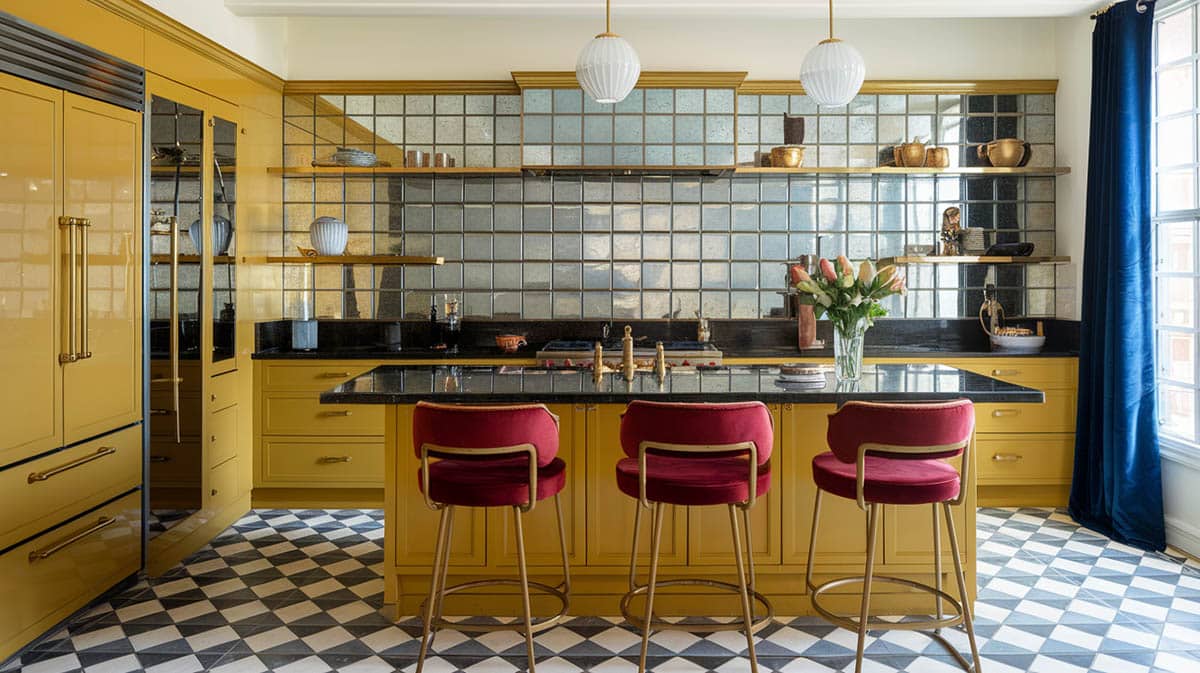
point(378, 260)
point(972, 259)
point(192, 259)
point(308, 171)
point(626, 168)
point(893, 170)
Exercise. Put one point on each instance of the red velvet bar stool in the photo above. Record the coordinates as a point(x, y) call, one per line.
point(894, 454)
point(488, 456)
point(695, 455)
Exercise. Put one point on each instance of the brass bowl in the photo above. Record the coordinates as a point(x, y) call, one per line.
point(910, 155)
point(937, 157)
point(1005, 152)
point(787, 156)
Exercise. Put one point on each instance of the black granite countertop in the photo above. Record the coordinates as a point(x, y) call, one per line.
point(408, 384)
point(379, 353)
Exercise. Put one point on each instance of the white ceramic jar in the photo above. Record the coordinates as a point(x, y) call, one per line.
point(222, 235)
point(328, 235)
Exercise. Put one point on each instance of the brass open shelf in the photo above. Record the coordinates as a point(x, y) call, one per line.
point(192, 259)
point(348, 171)
point(972, 259)
point(894, 170)
point(377, 260)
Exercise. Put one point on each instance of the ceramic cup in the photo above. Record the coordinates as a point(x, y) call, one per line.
point(509, 343)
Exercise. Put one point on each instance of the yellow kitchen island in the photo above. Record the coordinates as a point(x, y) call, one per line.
point(599, 519)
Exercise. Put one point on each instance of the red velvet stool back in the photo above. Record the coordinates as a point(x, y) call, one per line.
point(697, 424)
point(485, 427)
point(923, 424)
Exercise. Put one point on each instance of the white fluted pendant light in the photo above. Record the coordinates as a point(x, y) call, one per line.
point(608, 67)
point(833, 72)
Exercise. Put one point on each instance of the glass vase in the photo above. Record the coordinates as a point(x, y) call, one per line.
point(848, 349)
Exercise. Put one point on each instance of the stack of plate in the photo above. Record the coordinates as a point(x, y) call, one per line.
point(800, 375)
point(345, 156)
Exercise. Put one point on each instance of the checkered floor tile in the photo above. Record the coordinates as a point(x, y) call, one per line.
point(299, 591)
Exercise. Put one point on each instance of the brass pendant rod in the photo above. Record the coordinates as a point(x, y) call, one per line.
point(608, 15)
point(831, 19)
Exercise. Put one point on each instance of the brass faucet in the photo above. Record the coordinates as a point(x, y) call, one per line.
point(660, 363)
point(598, 364)
point(628, 366)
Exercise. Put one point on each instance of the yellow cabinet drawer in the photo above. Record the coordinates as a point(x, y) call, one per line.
point(1056, 414)
point(292, 376)
point(288, 414)
point(162, 405)
point(222, 436)
point(223, 484)
point(1025, 459)
point(174, 464)
point(190, 374)
point(222, 391)
point(42, 492)
point(58, 572)
point(1037, 373)
point(335, 463)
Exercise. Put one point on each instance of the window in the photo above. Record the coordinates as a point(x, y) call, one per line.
point(1176, 219)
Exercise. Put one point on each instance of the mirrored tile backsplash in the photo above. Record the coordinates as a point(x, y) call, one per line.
point(601, 246)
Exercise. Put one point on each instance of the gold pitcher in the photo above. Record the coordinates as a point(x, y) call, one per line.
point(1005, 152)
point(910, 155)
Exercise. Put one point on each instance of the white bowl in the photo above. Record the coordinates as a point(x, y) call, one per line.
point(1018, 344)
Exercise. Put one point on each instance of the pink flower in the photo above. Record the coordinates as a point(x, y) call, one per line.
point(798, 274)
point(898, 284)
point(827, 270)
point(845, 266)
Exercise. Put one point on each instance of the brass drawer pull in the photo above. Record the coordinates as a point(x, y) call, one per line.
point(1006, 372)
point(1007, 457)
point(338, 412)
point(327, 460)
point(166, 379)
point(161, 412)
point(1000, 413)
point(101, 452)
point(160, 459)
point(335, 375)
point(47, 552)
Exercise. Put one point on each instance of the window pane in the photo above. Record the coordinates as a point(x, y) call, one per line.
point(1176, 302)
point(1175, 37)
point(1177, 412)
point(1175, 90)
point(1176, 141)
point(1176, 191)
point(1176, 246)
point(1176, 356)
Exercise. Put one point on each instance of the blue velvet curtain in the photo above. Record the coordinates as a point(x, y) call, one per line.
point(1117, 487)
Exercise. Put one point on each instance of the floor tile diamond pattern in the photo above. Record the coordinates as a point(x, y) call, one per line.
point(299, 591)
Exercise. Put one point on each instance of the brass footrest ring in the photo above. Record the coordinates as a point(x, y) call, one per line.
point(851, 622)
point(639, 620)
point(539, 623)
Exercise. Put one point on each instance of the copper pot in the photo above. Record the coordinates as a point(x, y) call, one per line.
point(787, 156)
point(937, 157)
point(910, 155)
point(1005, 152)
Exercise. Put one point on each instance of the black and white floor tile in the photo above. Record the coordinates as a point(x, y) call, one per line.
point(299, 592)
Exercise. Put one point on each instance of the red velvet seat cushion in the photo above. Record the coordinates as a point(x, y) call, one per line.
point(689, 480)
point(491, 483)
point(888, 481)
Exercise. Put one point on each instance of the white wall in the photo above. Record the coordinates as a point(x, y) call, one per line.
point(261, 40)
point(426, 47)
point(1073, 51)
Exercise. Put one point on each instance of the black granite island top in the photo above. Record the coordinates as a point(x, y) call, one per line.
point(409, 384)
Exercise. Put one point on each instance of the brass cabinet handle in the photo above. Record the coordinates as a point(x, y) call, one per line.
point(1005, 372)
point(334, 375)
point(160, 459)
point(338, 412)
point(101, 452)
point(161, 412)
point(1007, 457)
point(166, 379)
point(85, 302)
point(212, 438)
point(213, 492)
point(47, 552)
point(1000, 413)
point(68, 224)
point(326, 460)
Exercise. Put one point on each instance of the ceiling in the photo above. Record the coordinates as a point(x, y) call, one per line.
point(761, 8)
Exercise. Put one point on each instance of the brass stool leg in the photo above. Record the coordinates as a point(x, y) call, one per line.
point(528, 611)
point(812, 544)
point(747, 617)
point(562, 545)
point(937, 564)
point(637, 534)
point(863, 619)
point(964, 599)
point(440, 600)
point(434, 582)
point(654, 546)
point(749, 546)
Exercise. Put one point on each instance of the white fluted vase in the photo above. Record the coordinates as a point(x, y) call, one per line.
point(329, 235)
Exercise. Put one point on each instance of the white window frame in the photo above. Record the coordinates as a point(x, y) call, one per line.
point(1188, 447)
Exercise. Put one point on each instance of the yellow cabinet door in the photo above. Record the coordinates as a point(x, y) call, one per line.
point(102, 183)
point(842, 530)
point(30, 120)
point(710, 540)
point(541, 524)
point(610, 513)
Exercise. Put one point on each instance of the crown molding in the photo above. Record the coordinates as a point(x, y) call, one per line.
point(149, 18)
point(647, 80)
point(401, 86)
point(922, 86)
